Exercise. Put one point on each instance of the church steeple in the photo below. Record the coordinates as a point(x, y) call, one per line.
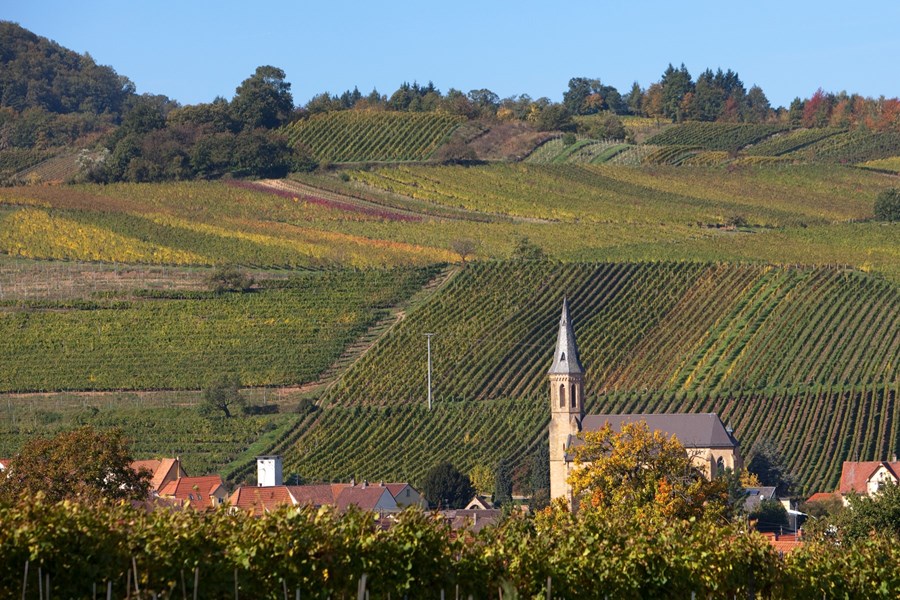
point(566, 360)
point(566, 403)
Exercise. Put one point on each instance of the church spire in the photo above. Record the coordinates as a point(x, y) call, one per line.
point(566, 358)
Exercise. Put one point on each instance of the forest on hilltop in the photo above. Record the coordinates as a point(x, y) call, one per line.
point(54, 100)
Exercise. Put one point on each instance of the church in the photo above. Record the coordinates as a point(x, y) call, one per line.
point(712, 446)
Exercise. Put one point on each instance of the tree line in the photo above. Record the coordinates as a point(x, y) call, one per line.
point(52, 97)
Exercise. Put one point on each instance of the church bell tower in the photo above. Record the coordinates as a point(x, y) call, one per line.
point(566, 403)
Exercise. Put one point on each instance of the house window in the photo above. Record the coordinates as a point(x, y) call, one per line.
point(190, 496)
point(562, 395)
point(407, 492)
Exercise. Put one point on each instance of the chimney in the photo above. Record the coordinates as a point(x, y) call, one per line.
point(365, 483)
point(268, 471)
point(352, 481)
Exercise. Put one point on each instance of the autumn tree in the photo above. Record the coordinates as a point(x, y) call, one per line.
point(638, 472)
point(83, 464)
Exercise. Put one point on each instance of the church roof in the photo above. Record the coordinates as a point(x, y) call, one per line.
point(693, 430)
point(565, 360)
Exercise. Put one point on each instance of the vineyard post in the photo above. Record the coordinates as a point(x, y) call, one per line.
point(25, 581)
point(428, 335)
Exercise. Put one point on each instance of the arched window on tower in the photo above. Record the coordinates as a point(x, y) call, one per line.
point(574, 397)
point(562, 395)
point(720, 466)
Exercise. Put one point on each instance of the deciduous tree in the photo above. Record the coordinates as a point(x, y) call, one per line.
point(638, 472)
point(82, 464)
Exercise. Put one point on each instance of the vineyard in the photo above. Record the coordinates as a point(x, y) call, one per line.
point(889, 165)
point(402, 443)
point(372, 136)
point(851, 147)
point(13, 160)
point(287, 332)
point(714, 136)
point(790, 141)
point(156, 427)
point(607, 194)
point(416, 215)
point(791, 354)
point(583, 151)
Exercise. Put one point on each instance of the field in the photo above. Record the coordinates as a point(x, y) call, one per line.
point(372, 136)
point(417, 215)
point(157, 426)
point(714, 136)
point(686, 280)
point(772, 350)
point(286, 332)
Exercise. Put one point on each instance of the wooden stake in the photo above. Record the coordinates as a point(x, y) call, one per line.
point(128, 584)
point(183, 586)
point(25, 581)
point(284, 587)
point(235, 584)
point(549, 583)
point(109, 590)
point(196, 581)
point(40, 584)
point(361, 590)
point(137, 588)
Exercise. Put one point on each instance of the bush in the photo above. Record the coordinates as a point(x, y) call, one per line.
point(230, 279)
point(887, 205)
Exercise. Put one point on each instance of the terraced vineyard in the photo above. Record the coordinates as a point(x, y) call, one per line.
point(583, 151)
point(714, 136)
point(851, 147)
point(783, 143)
point(808, 356)
point(286, 333)
point(402, 443)
point(372, 136)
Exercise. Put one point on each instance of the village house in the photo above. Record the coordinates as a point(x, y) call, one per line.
point(711, 445)
point(380, 497)
point(206, 492)
point(867, 478)
point(162, 471)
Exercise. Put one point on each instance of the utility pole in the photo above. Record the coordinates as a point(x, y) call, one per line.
point(428, 335)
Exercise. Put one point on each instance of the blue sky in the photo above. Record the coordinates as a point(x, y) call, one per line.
point(195, 50)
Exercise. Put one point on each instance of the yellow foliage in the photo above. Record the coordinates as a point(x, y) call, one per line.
point(36, 233)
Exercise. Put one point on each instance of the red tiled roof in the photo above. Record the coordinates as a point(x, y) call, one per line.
point(367, 498)
point(313, 495)
point(160, 469)
point(855, 475)
point(197, 490)
point(4, 463)
point(823, 496)
point(784, 542)
point(261, 499)
point(396, 488)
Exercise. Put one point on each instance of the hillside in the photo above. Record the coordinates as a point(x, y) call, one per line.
point(806, 357)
